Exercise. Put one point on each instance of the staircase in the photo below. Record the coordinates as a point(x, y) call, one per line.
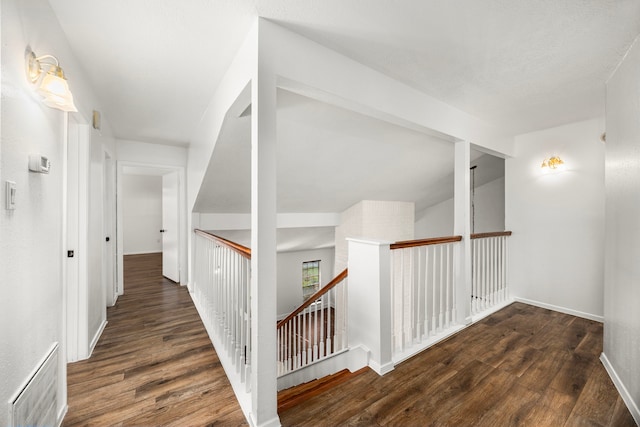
point(316, 330)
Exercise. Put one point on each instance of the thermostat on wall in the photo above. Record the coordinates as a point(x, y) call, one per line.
point(39, 163)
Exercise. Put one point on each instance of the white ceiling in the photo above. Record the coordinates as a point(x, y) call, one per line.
point(521, 64)
point(328, 160)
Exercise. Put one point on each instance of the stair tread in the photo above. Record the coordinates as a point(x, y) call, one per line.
point(293, 396)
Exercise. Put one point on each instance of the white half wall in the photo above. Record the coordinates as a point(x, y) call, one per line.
point(142, 213)
point(622, 269)
point(290, 276)
point(556, 251)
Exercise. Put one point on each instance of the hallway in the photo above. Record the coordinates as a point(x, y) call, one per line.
point(154, 364)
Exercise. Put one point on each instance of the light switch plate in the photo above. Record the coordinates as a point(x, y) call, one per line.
point(10, 195)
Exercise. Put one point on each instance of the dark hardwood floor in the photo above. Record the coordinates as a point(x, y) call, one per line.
point(523, 366)
point(154, 364)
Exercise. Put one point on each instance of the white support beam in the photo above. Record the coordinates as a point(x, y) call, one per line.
point(239, 221)
point(264, 386)
point(462, 227)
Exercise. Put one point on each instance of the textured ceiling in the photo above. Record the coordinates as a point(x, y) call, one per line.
point(520, 64)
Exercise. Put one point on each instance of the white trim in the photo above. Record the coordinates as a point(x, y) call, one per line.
point(381, 369)
point(96, 337)
point(414, 350)
point(409, 352)
point(372, 242)
point(564, 310)
point(142, 253)
point(624, 393)
point(273, 422)
point(488, 312)
point(243, 396)
point(353, 359)
point(62, 414)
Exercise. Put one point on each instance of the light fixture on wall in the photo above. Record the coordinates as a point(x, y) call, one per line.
point(554, 162)
point(45, 73)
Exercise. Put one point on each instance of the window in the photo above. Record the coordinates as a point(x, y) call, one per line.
point(310, 278)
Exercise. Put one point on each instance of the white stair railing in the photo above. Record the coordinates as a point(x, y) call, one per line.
point(316, 330)
point(221, 293)
point(423, 294)
point(489, 271)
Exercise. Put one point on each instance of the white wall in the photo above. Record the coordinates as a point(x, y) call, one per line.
point(437, 220)
point(489, 207)
point(622, 266)
point(557, 248)
point(31, 250)
point(290, 276)
point(373, 219)
point(142, 217)
point(154, 154)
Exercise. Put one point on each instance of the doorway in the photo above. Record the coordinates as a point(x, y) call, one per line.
point(150, 216)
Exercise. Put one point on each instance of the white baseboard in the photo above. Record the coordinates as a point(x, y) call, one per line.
point(409, 352)
point(626, 396)
point(381, 369)
point(142, 252)
point(564, 310)
point(96, 337)
point(62, 414)
point(273, 422)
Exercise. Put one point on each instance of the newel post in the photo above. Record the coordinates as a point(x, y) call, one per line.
point(370, 301)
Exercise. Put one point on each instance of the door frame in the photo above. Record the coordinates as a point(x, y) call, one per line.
point(77, 143)
point(122, 165)
point(109, 261)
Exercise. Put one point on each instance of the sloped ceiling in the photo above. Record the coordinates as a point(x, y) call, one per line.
point(328, 160)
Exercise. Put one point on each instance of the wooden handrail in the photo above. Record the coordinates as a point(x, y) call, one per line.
point(242, 250)
point(332, 284)
point(425, 242)
point(491, 234)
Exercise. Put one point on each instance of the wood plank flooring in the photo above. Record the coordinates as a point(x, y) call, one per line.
point(523, 366)
point(154, 364)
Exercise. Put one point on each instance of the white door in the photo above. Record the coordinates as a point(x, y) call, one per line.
point(170, 235)
point(109, 248)
point(76, 242)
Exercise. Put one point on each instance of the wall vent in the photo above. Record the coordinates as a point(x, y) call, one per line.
point(36, 403)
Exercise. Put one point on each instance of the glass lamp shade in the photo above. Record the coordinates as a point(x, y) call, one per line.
point(55, 92)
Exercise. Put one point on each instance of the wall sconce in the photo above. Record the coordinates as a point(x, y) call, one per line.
point(45, 74)
point(554, 162)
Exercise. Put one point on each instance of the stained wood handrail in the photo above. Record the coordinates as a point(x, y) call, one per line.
point(332, 284)
point(491, 234)
point(242, 250)
point(425, 242)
